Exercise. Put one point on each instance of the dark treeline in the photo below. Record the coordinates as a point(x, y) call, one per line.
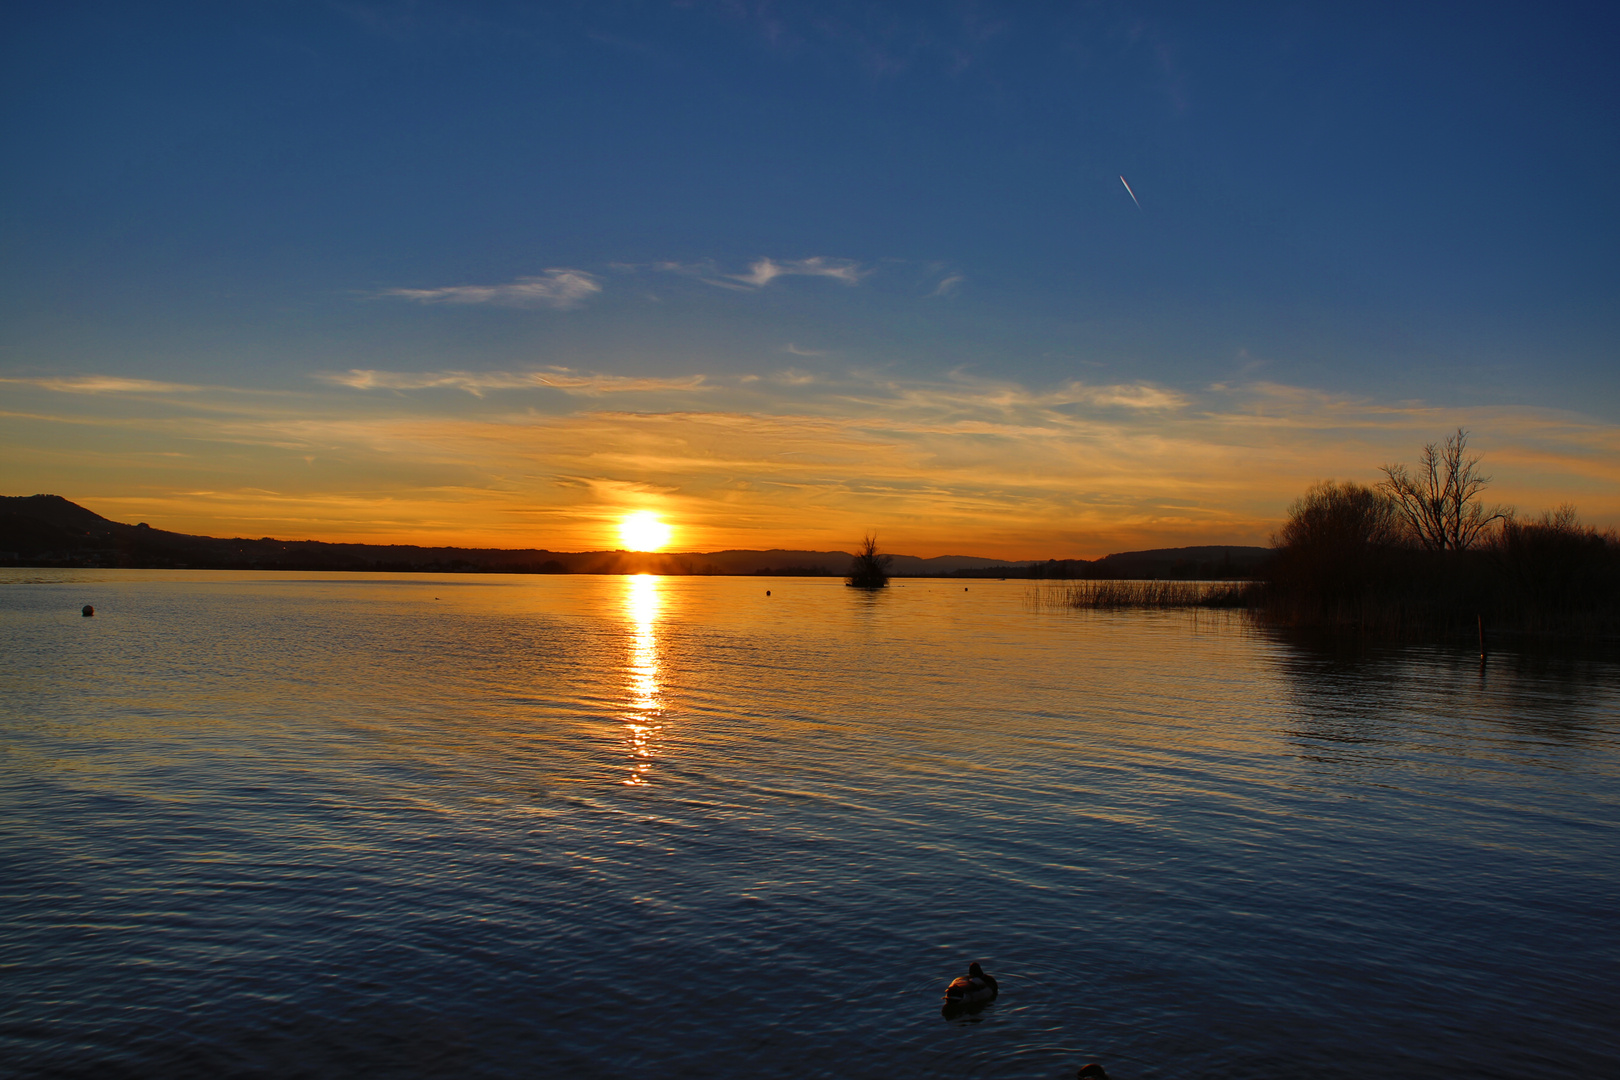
point(1422, 554)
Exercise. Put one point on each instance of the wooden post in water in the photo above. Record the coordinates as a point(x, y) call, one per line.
point(1481, 619)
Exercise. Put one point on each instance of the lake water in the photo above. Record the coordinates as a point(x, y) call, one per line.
point(335, 825)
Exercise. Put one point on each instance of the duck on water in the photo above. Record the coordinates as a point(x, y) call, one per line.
point(977, 989)
point(974, 988)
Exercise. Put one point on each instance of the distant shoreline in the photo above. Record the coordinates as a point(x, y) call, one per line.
point(50, 532)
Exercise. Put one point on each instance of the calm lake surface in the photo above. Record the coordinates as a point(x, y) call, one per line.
point(331, 825)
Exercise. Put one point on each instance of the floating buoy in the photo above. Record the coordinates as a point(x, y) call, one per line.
point(88, 611)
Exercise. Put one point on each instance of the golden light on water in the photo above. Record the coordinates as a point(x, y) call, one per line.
point(642, 531)
point(644, 709)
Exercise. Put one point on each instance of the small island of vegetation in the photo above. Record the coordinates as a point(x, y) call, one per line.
point(1419, 554)
point(869, 569)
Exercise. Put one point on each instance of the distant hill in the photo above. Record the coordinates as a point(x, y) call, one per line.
point(50, 531)
point(1215, 561)
point(1210, 561)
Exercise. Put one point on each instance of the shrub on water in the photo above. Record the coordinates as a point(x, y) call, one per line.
point(870, 567)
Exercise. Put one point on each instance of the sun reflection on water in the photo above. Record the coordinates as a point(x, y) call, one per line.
point(642, 602)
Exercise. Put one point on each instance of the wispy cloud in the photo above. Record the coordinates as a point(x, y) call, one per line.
point(1134, 396)
point(964, 397)
point(701, 268)
point(948, 285)
point(585, 384)
point(765, 271)
point(761, 272)
point(103, 384)
point(559, 288)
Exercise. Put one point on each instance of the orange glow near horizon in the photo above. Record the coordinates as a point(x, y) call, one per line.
point(642, 531)
point(941, 467)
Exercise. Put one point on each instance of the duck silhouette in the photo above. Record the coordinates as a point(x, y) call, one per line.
point(973, 989)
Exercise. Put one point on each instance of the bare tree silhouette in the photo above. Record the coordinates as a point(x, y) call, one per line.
point(870, 567)
point(1439, 502)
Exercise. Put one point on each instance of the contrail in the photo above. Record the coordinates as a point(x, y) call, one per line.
point(1134, 199)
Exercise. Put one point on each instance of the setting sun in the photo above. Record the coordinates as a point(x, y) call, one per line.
point(642, 531)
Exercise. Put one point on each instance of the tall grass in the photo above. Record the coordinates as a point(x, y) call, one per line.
point(1150, 594)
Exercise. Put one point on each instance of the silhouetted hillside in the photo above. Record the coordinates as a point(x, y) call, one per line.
point(1209, 563)
point(1212, 562)
point(50, 531)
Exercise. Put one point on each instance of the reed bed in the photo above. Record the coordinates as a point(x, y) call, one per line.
point(1109, 595)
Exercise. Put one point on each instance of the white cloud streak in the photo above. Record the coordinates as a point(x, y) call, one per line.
point(960, 393)
point(558, 288)
point(104, 384)
point(765, 271)
point(761, 272)
point(477, 383)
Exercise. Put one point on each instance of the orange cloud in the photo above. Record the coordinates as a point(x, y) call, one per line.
point(951, 465)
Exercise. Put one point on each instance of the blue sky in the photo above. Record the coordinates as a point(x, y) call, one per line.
point(532, 227)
